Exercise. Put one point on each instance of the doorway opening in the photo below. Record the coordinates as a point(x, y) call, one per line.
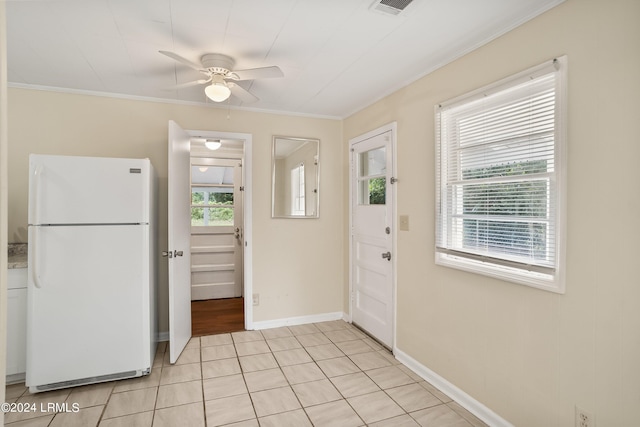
point(217, 224)
point(179, 229)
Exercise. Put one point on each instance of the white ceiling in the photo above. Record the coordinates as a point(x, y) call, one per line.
point(338, 56)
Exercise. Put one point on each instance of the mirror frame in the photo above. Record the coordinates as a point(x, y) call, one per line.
point(316, 181)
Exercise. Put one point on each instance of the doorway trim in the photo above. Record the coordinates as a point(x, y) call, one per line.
point(247, 167)
point(390, 127)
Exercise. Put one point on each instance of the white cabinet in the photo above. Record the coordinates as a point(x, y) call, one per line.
point(16, 323)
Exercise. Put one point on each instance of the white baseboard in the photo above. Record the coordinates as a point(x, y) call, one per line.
point(15, 378)
point(462, 398)
point(163, 336)
point(300, 320)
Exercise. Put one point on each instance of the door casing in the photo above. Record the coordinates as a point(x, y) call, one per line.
point(391, 127)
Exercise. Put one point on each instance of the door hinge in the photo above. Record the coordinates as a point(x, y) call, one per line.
point(242, 188)
point(393, 180)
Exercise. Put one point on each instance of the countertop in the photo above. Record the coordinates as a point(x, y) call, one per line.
point(17, 255)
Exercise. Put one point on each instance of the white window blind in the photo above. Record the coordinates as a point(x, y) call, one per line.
point(498, 177)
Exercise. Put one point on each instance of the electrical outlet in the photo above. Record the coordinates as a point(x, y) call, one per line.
point(584, 418)
point(256, 299)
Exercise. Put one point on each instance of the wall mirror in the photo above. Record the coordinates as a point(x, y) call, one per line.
point(295, 177)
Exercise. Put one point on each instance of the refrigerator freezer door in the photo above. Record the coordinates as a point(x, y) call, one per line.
point(88, 190)
point(89, 317)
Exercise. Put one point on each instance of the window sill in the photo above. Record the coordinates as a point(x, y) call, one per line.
point(546, 282)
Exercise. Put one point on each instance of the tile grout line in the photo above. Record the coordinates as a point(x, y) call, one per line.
point(271, 351)
point(391, 397)
point(365, 373)
point(343, 396)
point(155, 403)
point(253, 406)
point(289, 382)
point(204, 406)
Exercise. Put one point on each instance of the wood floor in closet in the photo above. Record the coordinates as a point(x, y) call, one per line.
point(217, 316)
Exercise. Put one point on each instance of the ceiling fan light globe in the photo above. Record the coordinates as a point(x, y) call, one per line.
point(212, 144)
point(217, 92)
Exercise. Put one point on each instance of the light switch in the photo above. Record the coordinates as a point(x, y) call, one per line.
point(404, 222)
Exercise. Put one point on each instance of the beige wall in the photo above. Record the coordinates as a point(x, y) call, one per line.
point(527, 354)
point(69, 124)
point(4, 190)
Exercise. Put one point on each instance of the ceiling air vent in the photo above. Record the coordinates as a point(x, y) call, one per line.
point(390, 7)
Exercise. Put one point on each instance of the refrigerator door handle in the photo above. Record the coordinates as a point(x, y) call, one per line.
point(37, 173)
point(34, 258)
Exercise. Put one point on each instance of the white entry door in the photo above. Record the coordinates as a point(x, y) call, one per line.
point(372, 228)
point(216, 228)
point(179, 218)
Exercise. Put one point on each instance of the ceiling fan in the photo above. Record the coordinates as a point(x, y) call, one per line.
point(218, 69)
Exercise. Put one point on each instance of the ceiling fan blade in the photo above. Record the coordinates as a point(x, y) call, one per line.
point(193, 83)
point(258, 73)
point(241, 93)
point(182, 60)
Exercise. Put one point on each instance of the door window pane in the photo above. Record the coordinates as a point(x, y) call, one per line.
point(212, 205)
point(373, 162)
point(372, 178)
point(201, 216)
point(212, 196)
point(373, 191)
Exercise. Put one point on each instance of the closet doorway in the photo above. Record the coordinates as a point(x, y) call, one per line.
point(217, 235)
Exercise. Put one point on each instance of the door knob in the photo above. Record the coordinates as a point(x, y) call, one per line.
point(387, 256)
point(177, 253)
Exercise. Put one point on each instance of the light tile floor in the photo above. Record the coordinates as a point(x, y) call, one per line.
point(323, 374)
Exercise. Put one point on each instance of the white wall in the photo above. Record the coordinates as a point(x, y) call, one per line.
point(70, 124)
point(527, 354)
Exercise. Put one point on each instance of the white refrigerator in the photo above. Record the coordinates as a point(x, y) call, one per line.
point(91, 296)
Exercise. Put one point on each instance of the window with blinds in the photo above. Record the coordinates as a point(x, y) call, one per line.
point(499, 178)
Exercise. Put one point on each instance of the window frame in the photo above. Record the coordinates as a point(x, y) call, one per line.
point(298, 190)
point(550, 279)
point(365, 177)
